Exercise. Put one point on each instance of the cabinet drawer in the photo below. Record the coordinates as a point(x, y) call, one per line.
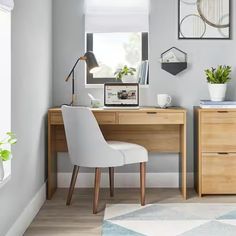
point(218, 137)
point(219, 173)
point(151, 118)
point(219, 117)
point(105, 117)
point(56, 118)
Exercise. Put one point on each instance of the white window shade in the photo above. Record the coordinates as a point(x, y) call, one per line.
point(6, 4)
point(104, 16)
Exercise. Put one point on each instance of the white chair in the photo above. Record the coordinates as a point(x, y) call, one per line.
point(88, 148)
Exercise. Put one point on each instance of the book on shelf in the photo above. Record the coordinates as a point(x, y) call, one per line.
point(208, 102)
point(143, 73)
point(214, 104)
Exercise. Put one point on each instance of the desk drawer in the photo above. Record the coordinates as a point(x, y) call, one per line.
point(56, 118)
point(219, 173)
point(150, 118)
point(219, 117)
point(104, 118)
point(218, 137)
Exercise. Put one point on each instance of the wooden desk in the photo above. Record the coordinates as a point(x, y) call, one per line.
point(159, 130)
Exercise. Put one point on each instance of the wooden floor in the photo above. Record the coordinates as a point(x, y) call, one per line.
point(55, 218)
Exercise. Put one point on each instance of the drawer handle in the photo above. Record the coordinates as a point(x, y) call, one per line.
point(151, 112)
point(222, 111)
point(223, 153)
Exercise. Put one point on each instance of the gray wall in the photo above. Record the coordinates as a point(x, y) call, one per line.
point(31, 97)
point(186, 89)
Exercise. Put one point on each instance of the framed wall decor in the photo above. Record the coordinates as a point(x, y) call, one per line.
point(204, 19)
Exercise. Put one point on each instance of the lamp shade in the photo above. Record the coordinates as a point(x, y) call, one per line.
point(91, 61)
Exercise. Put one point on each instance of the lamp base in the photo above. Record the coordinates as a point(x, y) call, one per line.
point(75, 100)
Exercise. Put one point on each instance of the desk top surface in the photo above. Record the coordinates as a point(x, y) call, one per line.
point(141, 109)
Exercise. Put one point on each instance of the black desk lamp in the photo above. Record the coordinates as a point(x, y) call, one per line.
point(91, 62)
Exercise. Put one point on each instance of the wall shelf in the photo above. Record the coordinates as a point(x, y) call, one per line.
point(174, 61)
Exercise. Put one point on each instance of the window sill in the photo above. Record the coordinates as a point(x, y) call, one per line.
point(5, 181)
point(88, 86)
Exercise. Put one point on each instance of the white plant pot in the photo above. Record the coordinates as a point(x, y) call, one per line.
point(217, 92)
point(1, 171)
point(129, 79)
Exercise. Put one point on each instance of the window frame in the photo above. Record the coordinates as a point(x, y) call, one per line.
point(89, 42)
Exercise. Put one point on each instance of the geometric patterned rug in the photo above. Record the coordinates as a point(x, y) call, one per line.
point(182, 219)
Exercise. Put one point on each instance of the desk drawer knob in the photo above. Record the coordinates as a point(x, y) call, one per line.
point(151, 112)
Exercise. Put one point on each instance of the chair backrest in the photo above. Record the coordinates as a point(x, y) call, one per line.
point(86, 144)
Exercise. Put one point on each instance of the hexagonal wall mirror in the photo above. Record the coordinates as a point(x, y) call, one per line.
point(174, 60)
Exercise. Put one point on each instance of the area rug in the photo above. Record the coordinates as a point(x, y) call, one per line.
point(188, 219)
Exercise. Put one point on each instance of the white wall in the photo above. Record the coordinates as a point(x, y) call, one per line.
point(31, 98)
point(5, 71)
point(186, 89)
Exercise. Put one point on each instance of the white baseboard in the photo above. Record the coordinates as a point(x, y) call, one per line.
point(125, 180)
point(28, 214)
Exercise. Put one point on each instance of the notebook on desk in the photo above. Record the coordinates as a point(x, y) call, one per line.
point(121, 96)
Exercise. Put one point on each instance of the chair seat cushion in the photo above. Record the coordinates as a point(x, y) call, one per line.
point(132, 153)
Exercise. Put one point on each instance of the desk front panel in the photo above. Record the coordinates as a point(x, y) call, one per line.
point(156, 131)
point(150, 118)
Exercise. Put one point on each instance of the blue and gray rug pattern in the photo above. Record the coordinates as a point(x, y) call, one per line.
point(188, 219)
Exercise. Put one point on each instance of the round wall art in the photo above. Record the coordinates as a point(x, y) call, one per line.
point(204, 19)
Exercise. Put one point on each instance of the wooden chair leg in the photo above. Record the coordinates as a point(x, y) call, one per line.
point(111, 179)
point(96, 189)
point(72, 184)
point(142, 182)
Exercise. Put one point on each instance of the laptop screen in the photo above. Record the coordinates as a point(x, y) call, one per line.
point(121, 94)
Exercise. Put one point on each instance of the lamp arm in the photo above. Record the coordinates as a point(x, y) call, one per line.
point(80, 58)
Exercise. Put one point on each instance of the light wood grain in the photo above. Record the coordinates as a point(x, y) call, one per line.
point(215, 151)
point(219, 137)
point(155, 138)
point(218, 117)
point(57, 219)
point(219, 173)
point(150, 118)
point(183, 158)
point(105, 118)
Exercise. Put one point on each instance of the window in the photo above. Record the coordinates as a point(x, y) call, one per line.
point(5, 79)
point(113, 51)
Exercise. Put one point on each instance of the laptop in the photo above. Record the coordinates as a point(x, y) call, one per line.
point(121, 95)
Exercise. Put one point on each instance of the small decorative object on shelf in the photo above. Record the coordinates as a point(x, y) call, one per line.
point(174, 60)
point(5, 153)
point(217, 79)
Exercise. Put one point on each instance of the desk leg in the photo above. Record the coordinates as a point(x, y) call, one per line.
point(183, 161)
point(52, 162)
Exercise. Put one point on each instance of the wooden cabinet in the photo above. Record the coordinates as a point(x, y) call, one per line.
point(215, 151)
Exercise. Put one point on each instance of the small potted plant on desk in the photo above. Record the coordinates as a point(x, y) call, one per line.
point(5, 152)
point(126, 74)
point(217, 79)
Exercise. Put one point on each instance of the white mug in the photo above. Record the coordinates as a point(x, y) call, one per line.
point(163, 100)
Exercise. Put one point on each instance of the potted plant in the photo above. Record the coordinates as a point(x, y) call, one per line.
point(5, 152)
point(126, 74)
point(217, 79)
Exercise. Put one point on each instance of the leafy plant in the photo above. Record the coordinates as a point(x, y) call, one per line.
point(10, 139)
point(124, 71)
point(219, 75)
